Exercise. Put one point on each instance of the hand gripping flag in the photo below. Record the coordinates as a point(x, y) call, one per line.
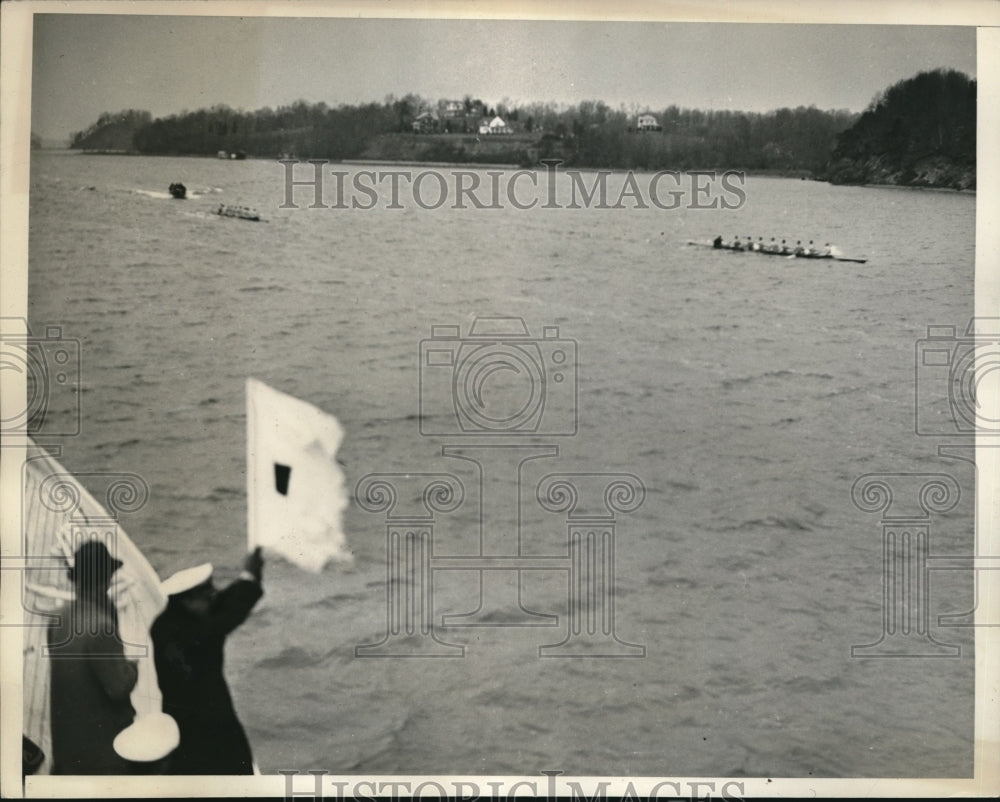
point(295, 488)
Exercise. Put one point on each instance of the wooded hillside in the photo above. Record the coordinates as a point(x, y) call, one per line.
point(919, 132)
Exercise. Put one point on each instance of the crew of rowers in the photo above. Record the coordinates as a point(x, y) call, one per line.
point(237, 211)
point(224, 209)
point(773, 246)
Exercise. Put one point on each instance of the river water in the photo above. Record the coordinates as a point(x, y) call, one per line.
point(746, 393)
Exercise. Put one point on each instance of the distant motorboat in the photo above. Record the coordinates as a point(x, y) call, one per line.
point(239, 212)
point(178, 190)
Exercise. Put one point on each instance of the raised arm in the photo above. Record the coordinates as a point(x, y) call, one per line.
point(233, 604)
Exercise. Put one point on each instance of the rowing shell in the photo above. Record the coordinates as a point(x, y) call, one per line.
point(830, 256)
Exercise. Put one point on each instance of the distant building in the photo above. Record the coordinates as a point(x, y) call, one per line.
point(497, 126)
point(452, 108)
point(425, 123)
point(647, 122)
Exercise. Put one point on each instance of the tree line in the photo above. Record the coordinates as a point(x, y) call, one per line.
point(589, 134)
point(112, 131)
point(932, 113)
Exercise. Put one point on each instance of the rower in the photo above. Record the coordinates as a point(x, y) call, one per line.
point(717, 242)
point(784, 247)
point(773, 246)
point(810, 250)
point(737, 245)
point(799, 250)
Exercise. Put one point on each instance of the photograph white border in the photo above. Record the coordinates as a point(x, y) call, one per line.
point(15, 113)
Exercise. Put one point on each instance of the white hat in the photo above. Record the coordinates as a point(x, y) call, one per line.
point(186, 579)
point(149, 738)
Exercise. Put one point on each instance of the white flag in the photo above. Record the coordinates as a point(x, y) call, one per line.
point(295, 489)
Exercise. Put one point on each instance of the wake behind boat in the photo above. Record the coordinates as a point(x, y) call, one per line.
point(758, 247)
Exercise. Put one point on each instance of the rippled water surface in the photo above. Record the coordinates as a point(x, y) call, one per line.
point(746, 392)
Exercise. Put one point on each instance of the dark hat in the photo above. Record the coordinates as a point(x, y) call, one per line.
point(93, 559)
point(94, 552)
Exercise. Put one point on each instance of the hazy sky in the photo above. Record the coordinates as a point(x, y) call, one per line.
point(85, 65)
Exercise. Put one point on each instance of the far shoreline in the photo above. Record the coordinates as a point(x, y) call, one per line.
point(911, 186)
point(788, 174)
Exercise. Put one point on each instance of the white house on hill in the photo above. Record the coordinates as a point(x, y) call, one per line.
point(494, 126)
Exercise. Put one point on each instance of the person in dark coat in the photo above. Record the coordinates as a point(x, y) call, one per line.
point(188, 644)
point(90, 678)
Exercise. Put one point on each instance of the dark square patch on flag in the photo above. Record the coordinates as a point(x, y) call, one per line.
point(281, 476)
